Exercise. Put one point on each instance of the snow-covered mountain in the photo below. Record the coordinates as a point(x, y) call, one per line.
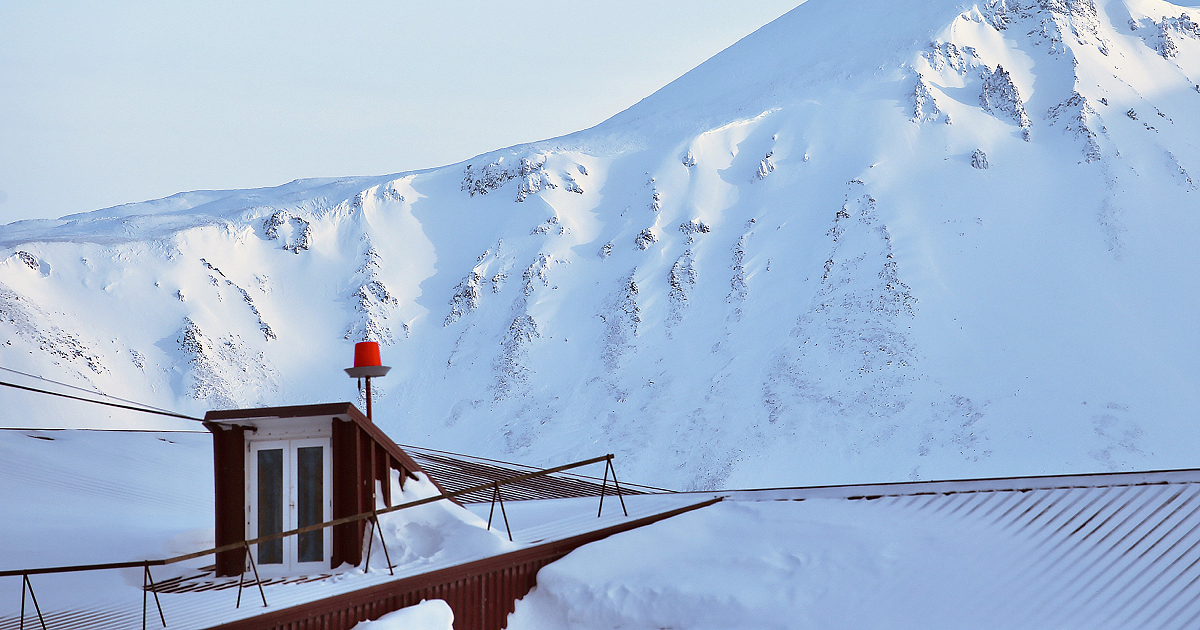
point(874, 240)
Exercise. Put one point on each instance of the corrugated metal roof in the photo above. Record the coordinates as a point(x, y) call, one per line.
point(1098, 551)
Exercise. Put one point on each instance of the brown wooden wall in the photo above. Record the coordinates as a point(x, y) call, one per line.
point(229, 467)
point(359, 461)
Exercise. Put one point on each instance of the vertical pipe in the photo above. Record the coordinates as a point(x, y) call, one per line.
point(369, 398)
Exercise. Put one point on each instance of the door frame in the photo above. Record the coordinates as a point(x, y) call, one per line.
point(290, 565)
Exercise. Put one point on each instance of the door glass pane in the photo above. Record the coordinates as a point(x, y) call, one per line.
point(310, 500)
point(270, 504)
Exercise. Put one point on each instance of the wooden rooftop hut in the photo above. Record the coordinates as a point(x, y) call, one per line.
point(281, 468)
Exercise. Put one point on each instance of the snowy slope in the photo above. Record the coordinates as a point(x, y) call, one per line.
point(871, 241)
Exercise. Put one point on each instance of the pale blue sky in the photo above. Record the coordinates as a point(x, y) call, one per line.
point(103, 103)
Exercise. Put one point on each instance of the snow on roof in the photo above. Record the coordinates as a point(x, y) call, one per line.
point(78, 497)
point(1089, 551)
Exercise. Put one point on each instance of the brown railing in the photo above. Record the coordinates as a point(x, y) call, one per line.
point(373, 516)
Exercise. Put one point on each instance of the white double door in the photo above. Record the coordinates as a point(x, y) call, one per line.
point(289, 488)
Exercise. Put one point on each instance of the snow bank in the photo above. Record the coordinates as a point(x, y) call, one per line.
point(434, 532)
point(430, 614)
point(827, 563)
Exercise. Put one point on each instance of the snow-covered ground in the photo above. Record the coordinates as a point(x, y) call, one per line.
point(871, 241)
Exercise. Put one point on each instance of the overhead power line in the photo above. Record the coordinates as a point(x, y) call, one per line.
point(103, 402)
point(81, 389)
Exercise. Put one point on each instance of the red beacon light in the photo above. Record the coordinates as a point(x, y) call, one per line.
point(367, 364)
point(366, 361)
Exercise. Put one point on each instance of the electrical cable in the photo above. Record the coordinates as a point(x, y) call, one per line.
point(82, 389)
point(101, 402)
point(104, 430)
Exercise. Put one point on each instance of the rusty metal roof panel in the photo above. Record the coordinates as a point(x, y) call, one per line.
point(456, 472)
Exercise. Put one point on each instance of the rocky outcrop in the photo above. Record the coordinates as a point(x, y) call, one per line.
point(1001, 98)
point(465, 298)
point(979, 159)
point(29, 322)
point(530, 171)
point(223, 371)
point(682, 278)
point(373, 302)
point(1076, 115)
point(295, 233)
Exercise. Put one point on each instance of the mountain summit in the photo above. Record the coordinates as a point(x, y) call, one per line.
point(872, 241)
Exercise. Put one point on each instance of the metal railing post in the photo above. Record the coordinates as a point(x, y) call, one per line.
point(603, 485)
point(241, 580)
point(608, 465)
point(618, 486)
point(147, 578)
point(25, 582)
point(387, 557)
point(492, 510)
point(370, 543)
point(503, 513)
point(257, 580)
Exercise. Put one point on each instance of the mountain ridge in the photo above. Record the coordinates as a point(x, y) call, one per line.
point(960, 249)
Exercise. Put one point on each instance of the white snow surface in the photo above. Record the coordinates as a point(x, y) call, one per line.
point(434, 533)
point(430, 614)
point(872, 241)
point(825, 563)
point(1102, 551)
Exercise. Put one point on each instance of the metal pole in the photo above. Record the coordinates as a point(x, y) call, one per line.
point(241, 580)
point(32, 596)
point(502, 513)
point(618, 485)
point(150, 578)
point(492, 510)
point(143, 599)
point(383, 542)
point(370, 541)
point(603, 485)
point(369, 398)
point(257, 580)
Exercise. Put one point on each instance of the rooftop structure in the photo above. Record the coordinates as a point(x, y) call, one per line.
point(281, 468)
point(1106, 549)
